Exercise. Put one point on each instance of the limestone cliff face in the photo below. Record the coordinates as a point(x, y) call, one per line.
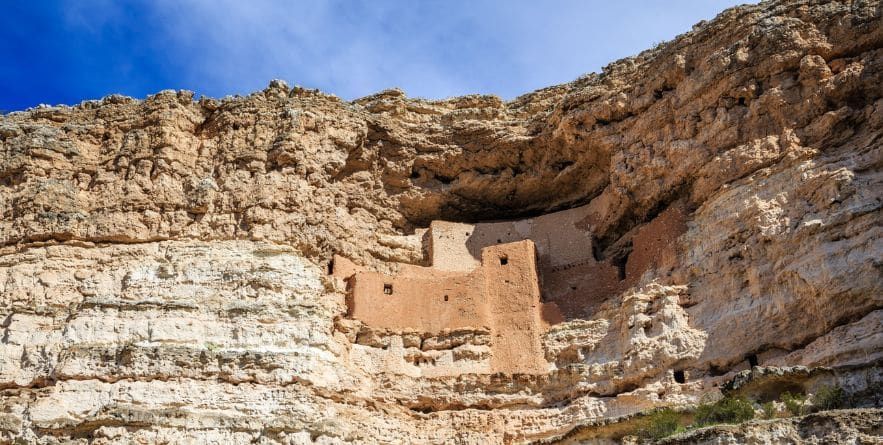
point(163, 263)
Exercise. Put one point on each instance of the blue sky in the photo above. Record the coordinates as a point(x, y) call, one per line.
point(66, 51)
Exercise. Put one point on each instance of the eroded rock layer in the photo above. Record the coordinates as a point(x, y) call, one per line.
point(164, 262)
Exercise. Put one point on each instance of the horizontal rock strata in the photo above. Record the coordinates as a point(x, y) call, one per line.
point(164, 262)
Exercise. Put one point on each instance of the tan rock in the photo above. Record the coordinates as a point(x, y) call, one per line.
point(164, 264)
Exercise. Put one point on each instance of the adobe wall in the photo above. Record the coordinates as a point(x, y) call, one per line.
point(429, 303)
point(578, 289)
point(448, 246)
point(513, 296)
point(561, 238)
point(569, 275)
point(528, 274)
point(501, 296)
point(653, 245)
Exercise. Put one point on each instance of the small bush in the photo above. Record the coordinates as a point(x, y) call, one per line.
point(829, 397)
point(726, 410)
point(661, 423)
point(769, 410)
point(794, 403)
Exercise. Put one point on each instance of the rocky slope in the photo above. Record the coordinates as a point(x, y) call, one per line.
point(857, 426)
point(163, 262)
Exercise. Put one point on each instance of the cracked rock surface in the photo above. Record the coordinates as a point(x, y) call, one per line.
point(163, 262)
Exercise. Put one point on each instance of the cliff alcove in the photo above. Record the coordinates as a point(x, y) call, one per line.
point(709, 207)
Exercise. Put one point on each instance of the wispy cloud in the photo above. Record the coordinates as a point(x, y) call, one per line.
point(430, 48)
point(349, 48)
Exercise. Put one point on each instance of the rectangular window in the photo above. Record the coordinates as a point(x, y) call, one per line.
point(680, 377)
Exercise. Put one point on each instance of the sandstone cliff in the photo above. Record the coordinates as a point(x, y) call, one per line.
point(163, 262)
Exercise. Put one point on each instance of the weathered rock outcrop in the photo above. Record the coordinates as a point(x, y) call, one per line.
point(163, 262)
point(854, 426)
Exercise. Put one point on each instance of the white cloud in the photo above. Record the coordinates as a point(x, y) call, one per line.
point(429, 48)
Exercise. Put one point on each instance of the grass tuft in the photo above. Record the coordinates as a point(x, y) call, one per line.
point(794, 403)
point(661, 423)
point(726, 410)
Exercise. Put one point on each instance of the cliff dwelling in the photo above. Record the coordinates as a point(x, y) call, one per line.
point(673, 241)
point(494, 288)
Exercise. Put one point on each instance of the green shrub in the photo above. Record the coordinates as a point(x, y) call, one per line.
point(794, 403)
point(829, 397)
point(661, 423)
point(769, 410)
point(726, 410)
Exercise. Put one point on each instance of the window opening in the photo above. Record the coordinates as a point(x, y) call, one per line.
point(752, 360)
point(680, 377)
